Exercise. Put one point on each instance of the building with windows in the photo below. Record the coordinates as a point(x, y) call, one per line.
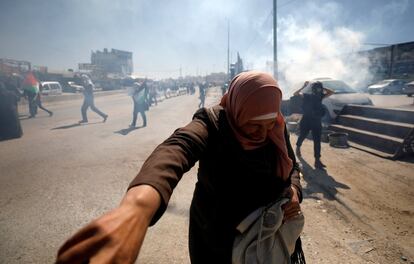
point(114, 62)
point(390, 62)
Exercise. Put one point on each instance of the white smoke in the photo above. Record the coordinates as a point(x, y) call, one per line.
point(312, 51)
point(314, 47)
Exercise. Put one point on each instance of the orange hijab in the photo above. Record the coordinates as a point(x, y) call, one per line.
point(252, 94)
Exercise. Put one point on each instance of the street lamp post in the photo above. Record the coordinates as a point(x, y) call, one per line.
point(228, 50)
point(275, 39)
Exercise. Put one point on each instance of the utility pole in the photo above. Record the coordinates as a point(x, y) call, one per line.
point(228, 50)
point(275, 39)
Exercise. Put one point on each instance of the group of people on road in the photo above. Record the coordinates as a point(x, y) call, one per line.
point(10, 96)
point(32, 91)
point(142, 94)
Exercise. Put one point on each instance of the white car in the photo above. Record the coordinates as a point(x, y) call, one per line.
point(344, 95)
point(72, 87)
point(51, 88)
point(182, 90)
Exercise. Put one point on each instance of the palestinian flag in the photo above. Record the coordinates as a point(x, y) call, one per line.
point(30, 83)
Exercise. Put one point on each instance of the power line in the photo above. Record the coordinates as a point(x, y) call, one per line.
point(287, 3)
point(255, 36)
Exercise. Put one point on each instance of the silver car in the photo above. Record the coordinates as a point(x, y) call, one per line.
point(391, 86)
point(409, 89)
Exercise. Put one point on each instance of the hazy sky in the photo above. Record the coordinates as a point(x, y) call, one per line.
point(167, 34)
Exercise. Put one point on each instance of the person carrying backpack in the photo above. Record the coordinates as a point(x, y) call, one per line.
point(140, 99)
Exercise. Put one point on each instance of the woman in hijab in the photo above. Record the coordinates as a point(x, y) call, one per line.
point(245, 162)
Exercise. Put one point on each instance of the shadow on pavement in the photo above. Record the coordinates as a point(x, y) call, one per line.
point(319, 181)
point(407, 159)
point(26, 117)
point(126, 131)
point(75, 125)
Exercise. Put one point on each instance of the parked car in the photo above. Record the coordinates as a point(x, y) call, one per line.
point(333, 104)
point(391, 86)
point(51, 88)
point(72, 87)
point(182, 90)
point(408, 89)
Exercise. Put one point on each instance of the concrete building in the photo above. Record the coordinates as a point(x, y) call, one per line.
point(115, 62)
point(389, 62)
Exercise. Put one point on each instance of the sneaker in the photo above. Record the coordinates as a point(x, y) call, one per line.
point(319, 164)
point(105, 117)
point(51, 113)
point(298, 153)
point(131, 126)
point(83, 121)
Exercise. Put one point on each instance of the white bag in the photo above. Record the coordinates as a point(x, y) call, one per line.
point(263, 239)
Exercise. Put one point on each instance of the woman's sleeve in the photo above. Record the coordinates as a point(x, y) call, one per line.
point(295, 173)
point(165, 166)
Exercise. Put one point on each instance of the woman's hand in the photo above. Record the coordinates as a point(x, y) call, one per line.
point(291, 209)
point(117, 236)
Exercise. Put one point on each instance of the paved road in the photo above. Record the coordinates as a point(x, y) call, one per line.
point(60, 175)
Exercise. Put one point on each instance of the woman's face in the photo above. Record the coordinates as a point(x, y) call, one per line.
point(257, 129)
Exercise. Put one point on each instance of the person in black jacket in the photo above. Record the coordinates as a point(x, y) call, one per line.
point(313, 111)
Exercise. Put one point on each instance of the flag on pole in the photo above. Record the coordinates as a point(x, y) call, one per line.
point(30, 83)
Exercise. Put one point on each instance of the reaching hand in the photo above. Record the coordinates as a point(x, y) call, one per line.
point(292, 208)
point(115, 237)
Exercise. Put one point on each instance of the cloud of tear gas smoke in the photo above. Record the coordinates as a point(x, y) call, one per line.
point(313, 52)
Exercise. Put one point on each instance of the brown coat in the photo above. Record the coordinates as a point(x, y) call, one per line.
point(231, 182)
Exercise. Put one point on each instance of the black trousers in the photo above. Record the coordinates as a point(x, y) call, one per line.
point(139, 108)
point(308, 124)
point(39, 104)
point(201, 104)
point(32, 104)
point(89, 102)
